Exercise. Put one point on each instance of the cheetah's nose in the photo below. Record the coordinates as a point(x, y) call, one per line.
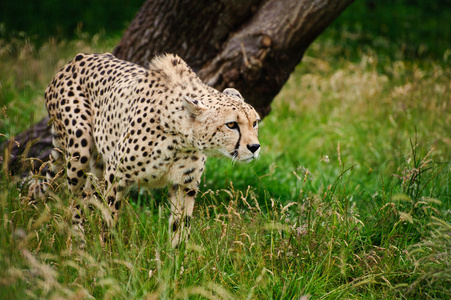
point(253, 147)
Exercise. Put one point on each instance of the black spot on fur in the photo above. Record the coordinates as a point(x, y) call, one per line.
point(175, 225)
point(72, 181)
point(189, 171)
point(117, 205)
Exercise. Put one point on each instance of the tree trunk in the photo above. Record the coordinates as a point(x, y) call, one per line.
point(251, 45)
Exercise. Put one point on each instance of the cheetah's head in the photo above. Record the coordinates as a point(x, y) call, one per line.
point(225, 125)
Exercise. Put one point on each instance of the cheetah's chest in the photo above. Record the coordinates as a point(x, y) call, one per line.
point(169, 168)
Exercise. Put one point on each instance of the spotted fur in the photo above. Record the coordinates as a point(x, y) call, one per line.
point(155, 127)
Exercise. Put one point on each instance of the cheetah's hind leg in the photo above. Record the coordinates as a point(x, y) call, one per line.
point(53, 169)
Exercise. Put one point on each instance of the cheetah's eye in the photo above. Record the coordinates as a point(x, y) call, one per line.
point(255, 124)
point(232, 125)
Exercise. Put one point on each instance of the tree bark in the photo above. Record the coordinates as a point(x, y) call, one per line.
point(251, 45)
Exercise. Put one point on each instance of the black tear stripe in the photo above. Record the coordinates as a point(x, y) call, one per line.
point(237, 146)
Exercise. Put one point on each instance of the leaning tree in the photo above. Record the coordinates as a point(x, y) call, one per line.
point(251, 45)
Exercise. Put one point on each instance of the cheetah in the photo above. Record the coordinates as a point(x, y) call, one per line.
point(124, 125)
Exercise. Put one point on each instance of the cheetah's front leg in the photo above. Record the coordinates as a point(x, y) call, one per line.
point(182, 204)
point(114, 188)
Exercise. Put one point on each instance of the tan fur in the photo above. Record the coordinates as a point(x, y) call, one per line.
point(129, 125)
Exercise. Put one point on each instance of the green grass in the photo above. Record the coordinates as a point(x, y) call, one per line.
point(350, 198)
point(26, 71)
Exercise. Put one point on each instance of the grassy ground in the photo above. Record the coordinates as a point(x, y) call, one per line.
point(350, 199)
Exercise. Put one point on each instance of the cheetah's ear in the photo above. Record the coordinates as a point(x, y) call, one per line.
point(194, 107)
point(233, 92)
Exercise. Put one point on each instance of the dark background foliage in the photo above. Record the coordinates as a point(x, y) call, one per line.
point(45, 18)
point(421, 28)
